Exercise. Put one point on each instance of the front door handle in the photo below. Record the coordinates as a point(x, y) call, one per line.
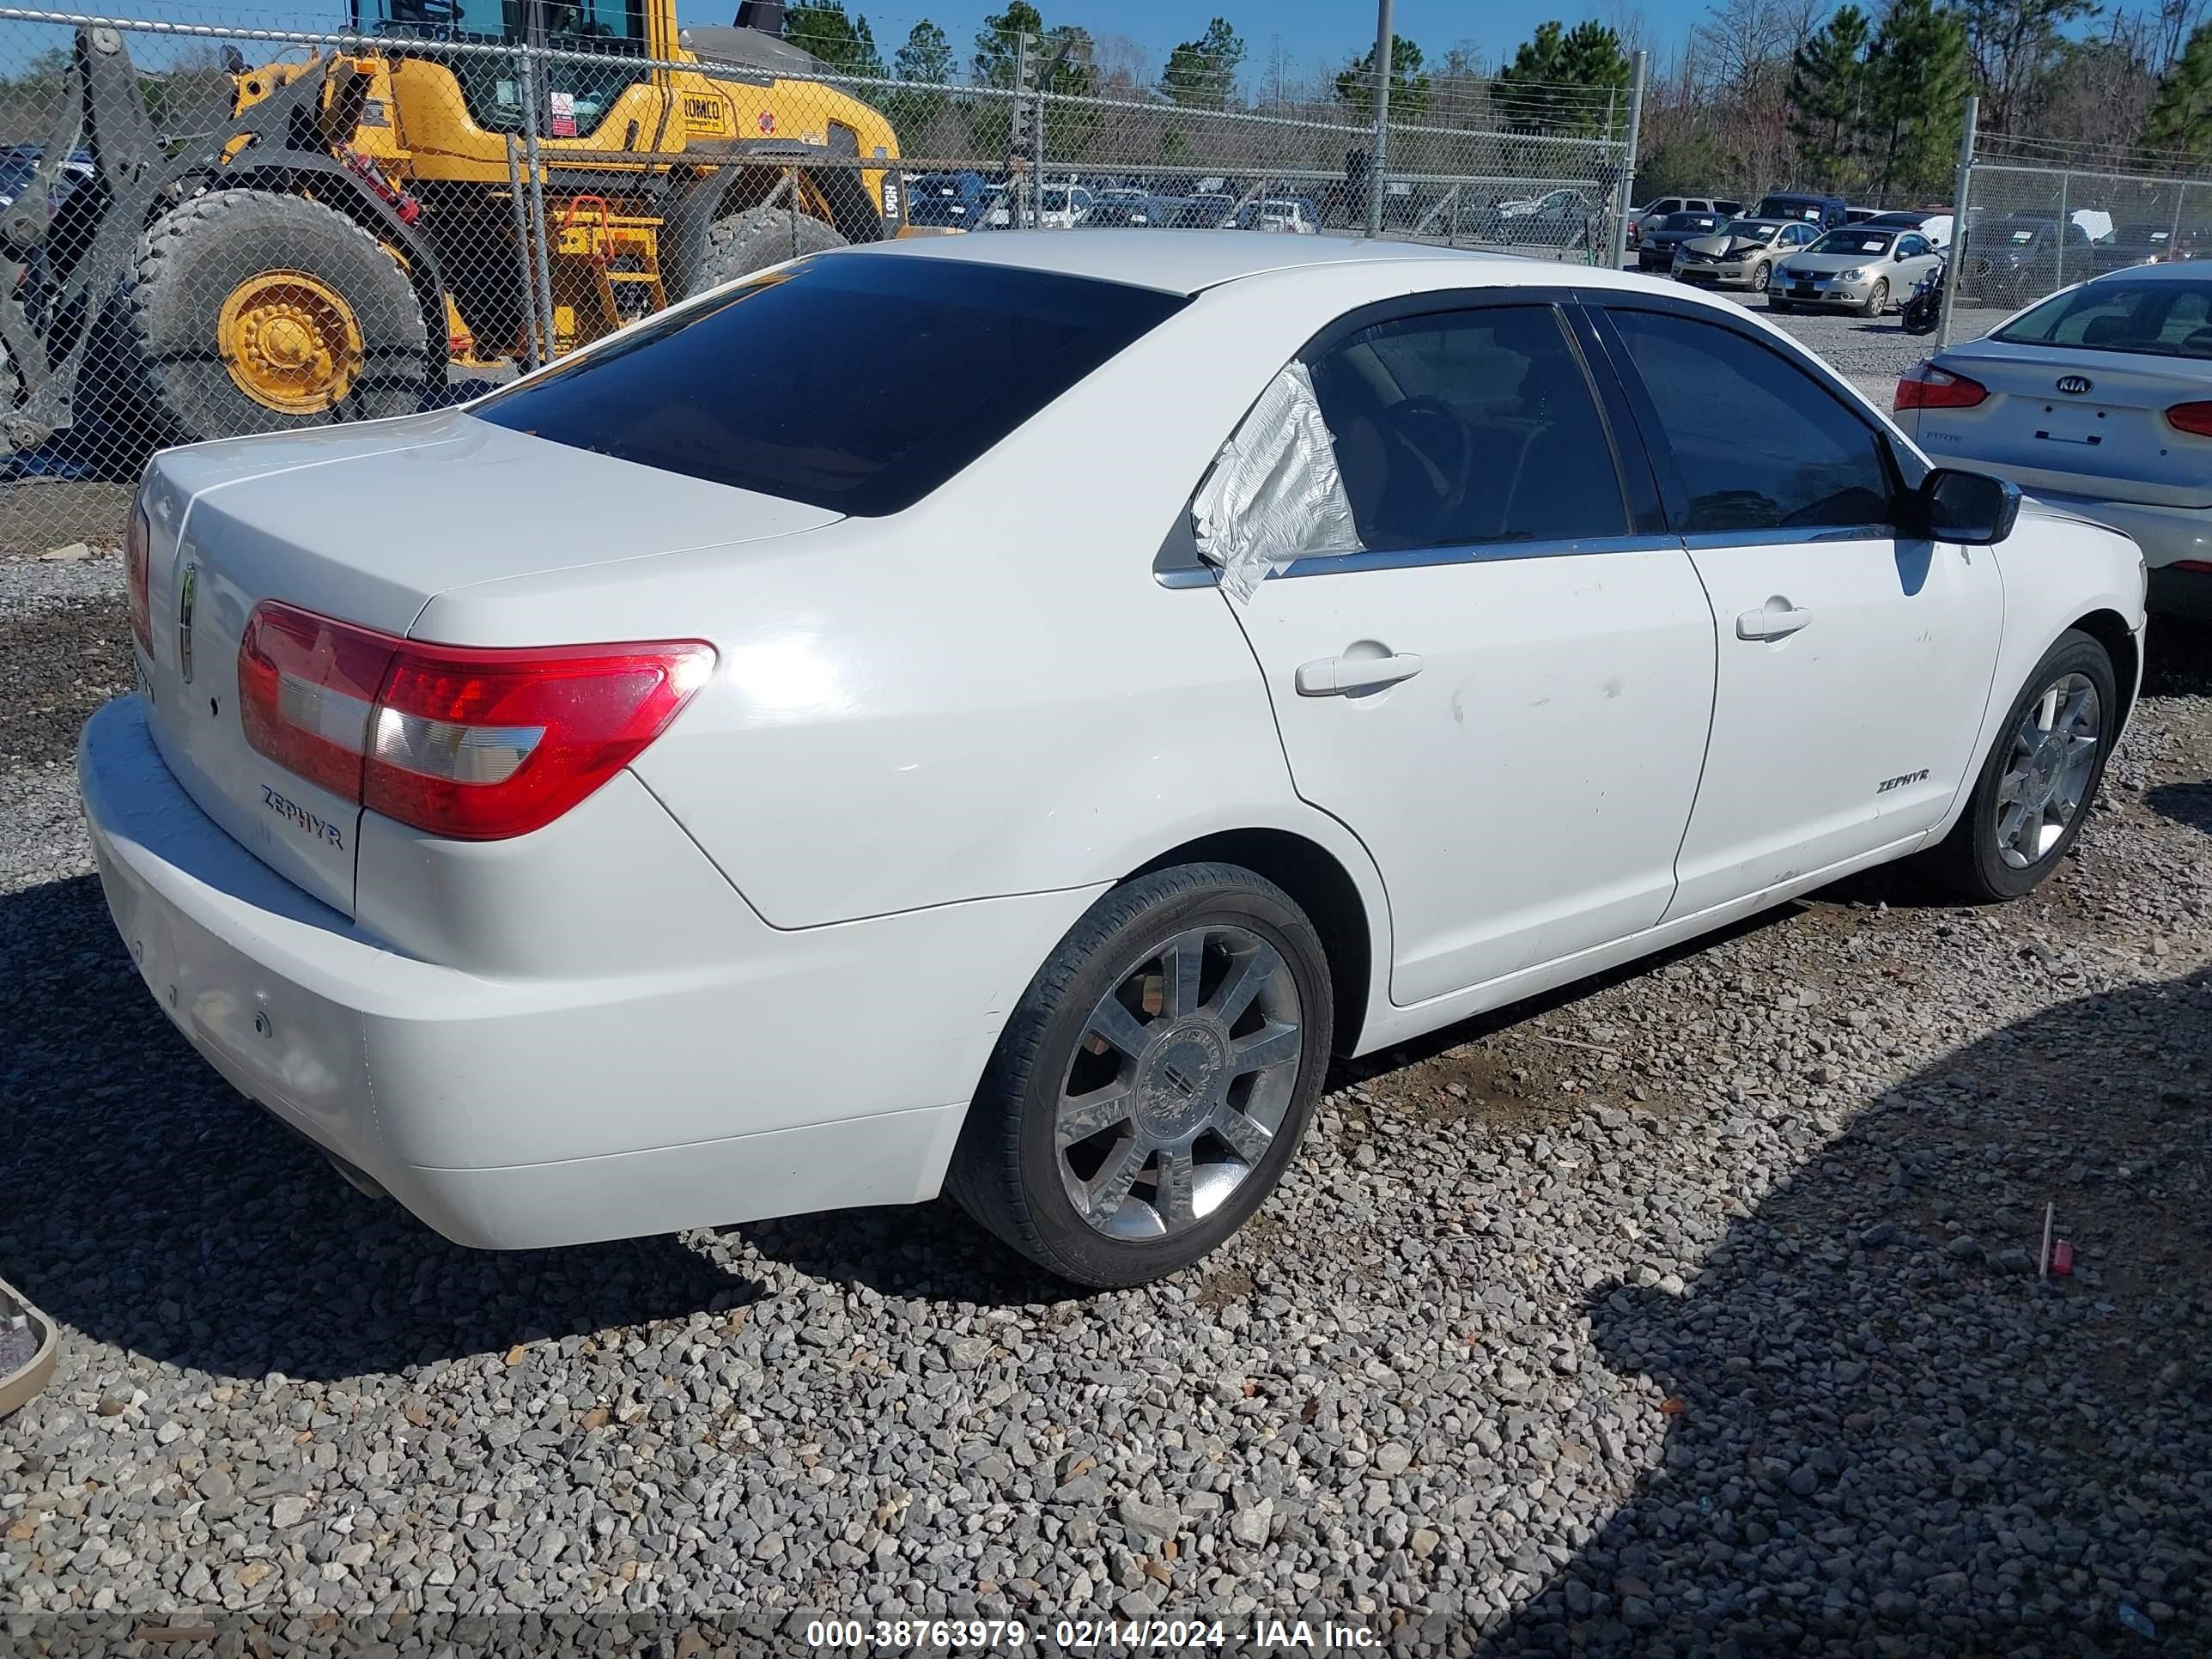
point(1778, 619)
point(1332, 677)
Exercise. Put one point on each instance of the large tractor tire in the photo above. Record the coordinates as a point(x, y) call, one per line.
point(756, 239)
point(253, 312)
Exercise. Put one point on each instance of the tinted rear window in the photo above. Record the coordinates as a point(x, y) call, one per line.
point(852, 382)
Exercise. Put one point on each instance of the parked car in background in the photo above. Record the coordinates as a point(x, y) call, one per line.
point(1859, 216)
point(952, 201)
point(536, 870)
point(1858, 266)
point(1933, 223)
point(1560, 219)
point(2144, 244)
point(1119, 212)
point(1063, 207)
point(2012, 261)
point(1648, 218)
point(19, 164)
point(1292, 215)
point(1655, 253)
point(2097, 401)
point(1826, 211)
point(1206, 211)
point(1741, 254)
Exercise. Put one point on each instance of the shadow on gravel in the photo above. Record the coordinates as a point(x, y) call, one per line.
point(147, 1205)
point(1890, 1437)
point(2187, 803)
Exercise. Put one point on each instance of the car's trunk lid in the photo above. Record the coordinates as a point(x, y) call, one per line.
point(366, 527)
point(2083, 422)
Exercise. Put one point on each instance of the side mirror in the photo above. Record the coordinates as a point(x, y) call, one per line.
point(1899, 256)
point(1971, 509)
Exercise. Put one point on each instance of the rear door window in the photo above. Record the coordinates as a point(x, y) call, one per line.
point(853, 381)
point(1465, 427)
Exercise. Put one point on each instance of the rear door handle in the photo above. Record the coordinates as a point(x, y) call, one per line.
point(1775, 620)
point(1332, 677)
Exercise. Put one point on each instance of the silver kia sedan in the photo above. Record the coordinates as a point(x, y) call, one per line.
point(2098, 399)
point(1858, 266)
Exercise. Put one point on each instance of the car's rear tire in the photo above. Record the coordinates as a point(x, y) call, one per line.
point(2035, 789)
point(1154, 1080)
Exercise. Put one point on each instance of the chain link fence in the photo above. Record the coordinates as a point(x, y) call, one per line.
point(211, 230)
point(2041, 217)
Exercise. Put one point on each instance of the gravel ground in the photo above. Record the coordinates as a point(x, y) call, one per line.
point(1692, 1311)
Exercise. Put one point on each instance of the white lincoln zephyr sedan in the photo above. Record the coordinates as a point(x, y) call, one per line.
point(993, 715)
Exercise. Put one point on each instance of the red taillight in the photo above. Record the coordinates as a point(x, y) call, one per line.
point(1926, 386)
point(306, 688)
point(137, 555)
point(2195, 418)
point(478, 744)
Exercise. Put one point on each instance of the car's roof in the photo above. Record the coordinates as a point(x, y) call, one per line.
point(2185, 270)
point(1186, 262)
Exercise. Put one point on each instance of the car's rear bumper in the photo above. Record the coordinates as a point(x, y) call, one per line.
point(2167, 535)
point(801, 1070)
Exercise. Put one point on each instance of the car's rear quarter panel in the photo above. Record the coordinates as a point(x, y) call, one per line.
point(988, 694)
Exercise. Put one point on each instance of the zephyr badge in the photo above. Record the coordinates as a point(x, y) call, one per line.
point(2075, 384)
point(184, 622)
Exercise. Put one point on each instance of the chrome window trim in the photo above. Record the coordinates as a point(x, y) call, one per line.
point(1415, 558)
point(1801, 536)
point(1188, 575)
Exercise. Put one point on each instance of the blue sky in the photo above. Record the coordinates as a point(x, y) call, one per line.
point(1311, 32)
point(1311, 35)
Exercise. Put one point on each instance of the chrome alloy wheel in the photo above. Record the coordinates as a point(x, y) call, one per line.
point(1179, 1084)
point(2047, 777)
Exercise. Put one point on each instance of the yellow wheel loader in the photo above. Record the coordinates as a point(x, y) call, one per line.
point(361, 219)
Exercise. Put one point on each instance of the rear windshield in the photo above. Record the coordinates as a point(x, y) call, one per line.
point(2155, 318)
point(1691, 222)
point(855, 382)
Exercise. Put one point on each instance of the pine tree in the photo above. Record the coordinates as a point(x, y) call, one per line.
point(1827, 96)
point(1918, 78)
point(1409, 88)
point(1202, 73)
point(927, 56)
point(1551, 85)
point(2180, 119)
point(822, 28)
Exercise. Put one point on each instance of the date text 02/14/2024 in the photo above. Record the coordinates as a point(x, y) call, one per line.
point(1091, 1635)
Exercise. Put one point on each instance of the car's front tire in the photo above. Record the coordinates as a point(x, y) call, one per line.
point(1154, 1079)
point(2042, 772)
point(1877, 299)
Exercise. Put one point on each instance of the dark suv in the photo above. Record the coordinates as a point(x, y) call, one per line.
point(1826, 211)
point(2016, 260)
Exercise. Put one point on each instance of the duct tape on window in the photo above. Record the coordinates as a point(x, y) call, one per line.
point(1274, 494)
